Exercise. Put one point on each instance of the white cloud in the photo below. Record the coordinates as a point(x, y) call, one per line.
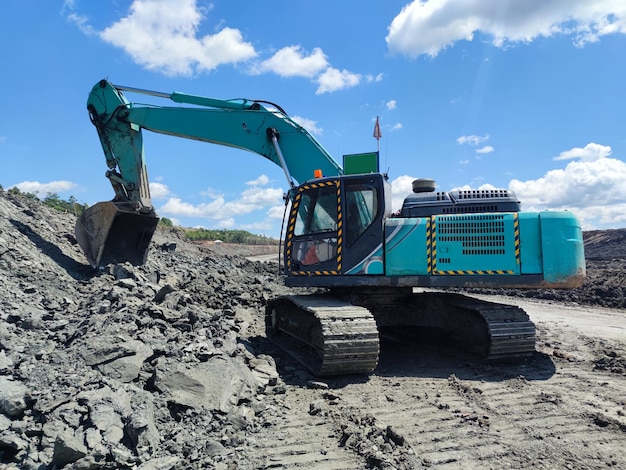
point(475, 185)
point(401, 187)
point(227, 223)
point(485, 149)
point(276, 212)
point(162, 35)
point(391, 104)
point(291, 61)
point(333, 79)
point(159, 190)
point(428, 27)
point(260, 181)
point(211, 193)
point(374, 78)
point(251, 199)
point(472, 139)
point(592, 189)
point(82, 22)
point(176, 207)
point(43, 189)
point(309, 125)
point(589, 153)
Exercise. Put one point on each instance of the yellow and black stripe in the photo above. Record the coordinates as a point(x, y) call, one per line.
point(292, 224)
point(431, 252)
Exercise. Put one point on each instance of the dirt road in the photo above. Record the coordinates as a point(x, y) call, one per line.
point(429, 407)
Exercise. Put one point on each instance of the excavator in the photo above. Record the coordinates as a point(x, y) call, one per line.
point(374, 271)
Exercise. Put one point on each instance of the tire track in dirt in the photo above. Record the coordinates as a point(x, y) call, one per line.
point(460, 414)
point(287, 441)
point(432, 407)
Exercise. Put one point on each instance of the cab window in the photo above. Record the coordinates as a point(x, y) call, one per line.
point(361, 209)
point(317, 212)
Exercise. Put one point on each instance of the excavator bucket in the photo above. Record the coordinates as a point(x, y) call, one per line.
point(113, 232)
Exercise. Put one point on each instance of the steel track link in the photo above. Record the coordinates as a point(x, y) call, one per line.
point(509, 329)
point(328, 336)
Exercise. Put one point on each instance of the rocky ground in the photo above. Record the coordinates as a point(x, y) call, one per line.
point(166, 366)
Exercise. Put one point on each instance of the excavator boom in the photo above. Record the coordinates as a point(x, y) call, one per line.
point(121, 230)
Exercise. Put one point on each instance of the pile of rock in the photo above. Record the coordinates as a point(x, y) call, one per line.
point(130, 367)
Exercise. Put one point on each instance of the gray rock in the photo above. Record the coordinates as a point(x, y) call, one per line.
point(6, 363)
point(12, 397)
point(67, 449)
point(162, 463)
point(118, 357)
point(264, 369)
point(12, 442)
point(218, 384)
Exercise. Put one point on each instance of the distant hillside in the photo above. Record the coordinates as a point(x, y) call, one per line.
point(605, 244)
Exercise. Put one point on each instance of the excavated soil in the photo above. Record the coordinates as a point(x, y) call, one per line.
point(166, 366)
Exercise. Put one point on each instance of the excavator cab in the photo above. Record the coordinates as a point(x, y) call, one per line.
point(334, 226)
point(115, 232)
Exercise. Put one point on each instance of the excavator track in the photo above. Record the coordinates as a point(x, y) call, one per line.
point(334, 336)
point(511, 334)
point(494, 331)
point(327, 335)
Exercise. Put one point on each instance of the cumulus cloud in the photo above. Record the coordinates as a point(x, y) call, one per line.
point(291, 61)
point(53, 187)
point(589, 152)
point(472, 140)
point(252, 199)
point(177, 207)
point(592, 188)
point(374, 78)
point(428, 27)
point(310, 125)
point(333, 79)
point(159, 190)
point(401, 187)
point(485, 149)
point(391, 104)
point(276, 212)
point(162, 35)
point(260, 181)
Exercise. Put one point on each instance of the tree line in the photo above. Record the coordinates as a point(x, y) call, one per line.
point(72, 206)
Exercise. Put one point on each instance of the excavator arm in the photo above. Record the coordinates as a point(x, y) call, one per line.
point(122, 229)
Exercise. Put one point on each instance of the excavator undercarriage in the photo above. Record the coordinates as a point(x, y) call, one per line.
point(338, 333)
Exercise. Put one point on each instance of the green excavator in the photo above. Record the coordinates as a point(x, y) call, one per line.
point(376, 271)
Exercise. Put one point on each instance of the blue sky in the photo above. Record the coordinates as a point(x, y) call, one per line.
point(521, 94)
